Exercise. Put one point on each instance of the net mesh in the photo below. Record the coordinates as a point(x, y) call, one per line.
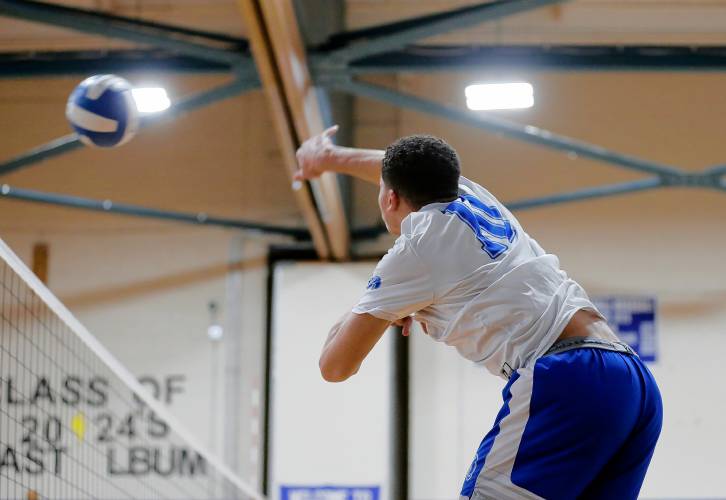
point(74, 423)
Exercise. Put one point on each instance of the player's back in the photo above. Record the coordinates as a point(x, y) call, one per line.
point(496, 295)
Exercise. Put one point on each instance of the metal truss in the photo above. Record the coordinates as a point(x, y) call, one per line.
point(182, 40)
point(411, 59)
point(112, 207)
point(36, 64)
point(223, 52)
point(430, 59)
point(71, 142)
point(665, 175)
point(400, 34)
point(334, 65)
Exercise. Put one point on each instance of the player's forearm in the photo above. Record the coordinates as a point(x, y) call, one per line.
point(319, 154)
point(364, 164)
point(348, 343)
point(334, 331)
point(332, 367)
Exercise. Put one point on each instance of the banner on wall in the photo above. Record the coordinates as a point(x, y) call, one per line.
point(64, 429)
point(633, 319)
point(329, 492)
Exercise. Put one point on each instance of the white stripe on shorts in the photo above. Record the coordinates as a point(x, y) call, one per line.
point(495, 479)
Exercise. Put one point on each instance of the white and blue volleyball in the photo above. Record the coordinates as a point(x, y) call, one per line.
point(102, 111)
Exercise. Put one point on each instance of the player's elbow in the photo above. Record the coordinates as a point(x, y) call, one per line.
point(333, 372)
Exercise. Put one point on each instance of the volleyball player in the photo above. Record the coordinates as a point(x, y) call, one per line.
point(581, 412)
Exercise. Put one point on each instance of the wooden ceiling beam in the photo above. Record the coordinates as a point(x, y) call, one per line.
point(281, 62)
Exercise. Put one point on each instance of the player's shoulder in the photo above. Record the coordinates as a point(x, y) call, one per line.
point(403, 254)
point(428, 232)
point(430, 220)
point(425, 231)
point(420, 225)
point(467, 186)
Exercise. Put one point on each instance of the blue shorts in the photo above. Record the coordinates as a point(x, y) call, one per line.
point(582, 423)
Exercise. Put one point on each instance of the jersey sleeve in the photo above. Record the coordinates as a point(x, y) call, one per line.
point(400, 285)
point(536, 248)
point(467, 186)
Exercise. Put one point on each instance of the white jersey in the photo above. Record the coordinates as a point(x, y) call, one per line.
point(481, 284)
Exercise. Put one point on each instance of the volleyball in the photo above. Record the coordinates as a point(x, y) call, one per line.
point(102, 111)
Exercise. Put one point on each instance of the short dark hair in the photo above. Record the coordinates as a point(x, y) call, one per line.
point(422, 169)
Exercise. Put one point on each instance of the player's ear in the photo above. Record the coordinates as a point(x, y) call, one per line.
point(393, 200)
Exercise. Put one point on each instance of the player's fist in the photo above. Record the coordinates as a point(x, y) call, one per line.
point(315, 155)
point(405, 324)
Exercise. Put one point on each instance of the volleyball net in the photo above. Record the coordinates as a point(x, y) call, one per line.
point(75, 423)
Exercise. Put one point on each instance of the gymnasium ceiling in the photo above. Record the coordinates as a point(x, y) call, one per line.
point(656, 22)
point(224, 159)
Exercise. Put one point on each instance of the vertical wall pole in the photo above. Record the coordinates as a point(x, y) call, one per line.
point(399, 415)
point(232, 400)
point(267, 387)
point(215, 389)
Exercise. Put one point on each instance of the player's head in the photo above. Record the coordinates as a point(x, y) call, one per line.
point(417, 170)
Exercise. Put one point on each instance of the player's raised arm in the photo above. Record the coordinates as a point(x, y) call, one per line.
point(319, 154)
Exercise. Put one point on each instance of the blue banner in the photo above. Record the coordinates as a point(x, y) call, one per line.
point(633, 319)
point(329, 492)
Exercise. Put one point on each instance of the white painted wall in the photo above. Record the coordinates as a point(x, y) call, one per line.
point(453, 404)
point(323, 433)
point(689, 460)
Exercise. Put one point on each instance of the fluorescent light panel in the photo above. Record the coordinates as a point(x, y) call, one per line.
point(151, 100)
point(488, 96)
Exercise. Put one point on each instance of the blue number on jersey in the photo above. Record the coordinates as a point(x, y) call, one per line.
point(489, 225)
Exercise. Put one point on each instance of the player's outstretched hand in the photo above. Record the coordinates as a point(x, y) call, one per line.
point(315, 155)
